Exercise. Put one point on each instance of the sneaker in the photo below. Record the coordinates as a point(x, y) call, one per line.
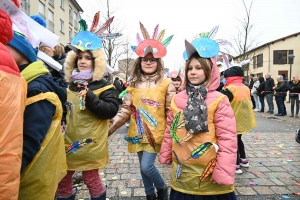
point(238, 170)
point(127, 125)
point(244, 162)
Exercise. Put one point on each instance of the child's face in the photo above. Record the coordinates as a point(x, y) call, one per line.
point(149, 64)
point(85, 61)
point(176, 82)
point(195, 72)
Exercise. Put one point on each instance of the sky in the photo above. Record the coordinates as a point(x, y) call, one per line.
point(271, 19)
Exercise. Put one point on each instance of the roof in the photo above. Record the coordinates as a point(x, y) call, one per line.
point(77, 5)
point(272, 42)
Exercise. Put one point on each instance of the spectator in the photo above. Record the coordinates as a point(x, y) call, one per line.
point(269, 92)
point(254, 93)
point(251, 86)
point(294, 87)
point(280, 94)
point(59, 54)
point(118, 87)
point(261, 94)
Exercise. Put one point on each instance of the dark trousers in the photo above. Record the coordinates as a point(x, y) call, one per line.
point(262, 102)
point(294, 100)
point(280, 104)
point(269, 97)
point(241, 149)
point(253, 102)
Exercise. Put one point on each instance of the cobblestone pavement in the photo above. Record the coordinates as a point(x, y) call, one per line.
point(274, 172)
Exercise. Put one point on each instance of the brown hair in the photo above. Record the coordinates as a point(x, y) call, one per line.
point(205, 63)
point(137, 72)
point(58, 50)
point(255, 79)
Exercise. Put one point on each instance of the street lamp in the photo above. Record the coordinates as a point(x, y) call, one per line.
point(291, 61)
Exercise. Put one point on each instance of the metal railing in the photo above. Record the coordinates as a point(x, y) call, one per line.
point(25, 7)
point(70, 20)
point(51, 25)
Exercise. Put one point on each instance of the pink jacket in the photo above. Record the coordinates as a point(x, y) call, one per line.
point(225, 133)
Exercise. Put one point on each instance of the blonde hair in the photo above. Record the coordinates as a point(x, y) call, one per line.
point(206, 65)
point(58, 50)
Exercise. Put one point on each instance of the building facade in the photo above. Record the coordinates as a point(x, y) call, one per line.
point(61, 16)
point(273, 57)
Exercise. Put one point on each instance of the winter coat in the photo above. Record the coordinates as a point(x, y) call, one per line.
point(269, 84)
point(294, 88)
point(145, 96)
point(222, 133)
point(254, 88)
point(13, 101)
point(89, 126)
point(281, 89)
point(261, 87)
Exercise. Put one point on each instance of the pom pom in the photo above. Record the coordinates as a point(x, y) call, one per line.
point(39, 20)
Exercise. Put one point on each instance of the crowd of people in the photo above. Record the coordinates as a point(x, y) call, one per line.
point(58, 113)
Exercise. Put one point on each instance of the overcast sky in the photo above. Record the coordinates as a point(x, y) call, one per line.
point(272, 19)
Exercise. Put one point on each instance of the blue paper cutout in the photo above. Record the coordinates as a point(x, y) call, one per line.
point(86, 40)
point(133, 48)
point(206, 48)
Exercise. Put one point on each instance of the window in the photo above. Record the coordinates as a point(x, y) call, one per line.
point(70, 15)
point(51, 2)
point(70, 34)
point(62, 26)
point(42, 9)
point(75, 20)
point(62, 3)
point(258, 61)
point(281, 56)
point(51, 20)
point(25, 6)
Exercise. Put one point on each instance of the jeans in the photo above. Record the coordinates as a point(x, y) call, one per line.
point(262, 102)
point(256, 101)
point(150, 174)
point(280, 104)
point(294, 99)
point(269, 97)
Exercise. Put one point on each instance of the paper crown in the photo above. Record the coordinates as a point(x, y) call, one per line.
point(154, 45)
point(91, 40)
point(204, 45)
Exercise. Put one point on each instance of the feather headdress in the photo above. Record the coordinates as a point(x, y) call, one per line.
point(155, 44)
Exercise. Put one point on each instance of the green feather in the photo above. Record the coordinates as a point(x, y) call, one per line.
point(174, 127)
point(201, 149)
point(167, 41)
point(83, 25)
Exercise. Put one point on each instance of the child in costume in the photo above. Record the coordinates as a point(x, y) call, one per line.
point(13, 102)
point(43, 158)
point(240, 100)
point(200, 137)
point(146, 104)
point(91, 102)
point(177, 80)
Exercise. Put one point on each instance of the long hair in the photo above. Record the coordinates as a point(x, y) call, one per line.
point(136, 74)
point(58, 50)
point(206, 65)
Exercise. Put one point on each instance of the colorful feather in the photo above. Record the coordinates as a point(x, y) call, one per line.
point(122, 94)
point(167, 41)
point(208, 170)
point(144, 31)
point(161, 35)
point(148, 117)
point(150, 102)
point(149, 135)
point(105, 26)
point(173, 128)
point(155, 32)
point(187, 137)
point(138, 38)
point(133, 110)
point(179, 166)
point(223, 42)
point(139, 124)
point(95, 22)
point(78, 144)
point(133, 140)
point(83, 25)
point(213, 32)
point(201, 149)
point(181, 124)
point(133, 48)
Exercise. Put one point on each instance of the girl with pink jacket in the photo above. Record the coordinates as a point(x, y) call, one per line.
point(200, 138)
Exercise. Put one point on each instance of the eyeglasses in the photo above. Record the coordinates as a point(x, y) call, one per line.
point(151, 60)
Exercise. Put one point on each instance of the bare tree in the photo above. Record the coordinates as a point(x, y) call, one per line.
point(125, 65)
point(245, 40)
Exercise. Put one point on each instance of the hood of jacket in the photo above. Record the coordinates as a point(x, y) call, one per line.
point(99, 65)
point(215, 77)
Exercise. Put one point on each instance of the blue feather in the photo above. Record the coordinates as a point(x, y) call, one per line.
point(133, 140)
point(139, 124)
point(148, 117)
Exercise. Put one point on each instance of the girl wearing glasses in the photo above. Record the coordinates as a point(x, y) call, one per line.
point(146, 104)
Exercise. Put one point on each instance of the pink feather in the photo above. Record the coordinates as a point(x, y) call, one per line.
point(138, 38)
point(155, 32)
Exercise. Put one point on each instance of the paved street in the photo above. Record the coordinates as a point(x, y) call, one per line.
point(271, 148)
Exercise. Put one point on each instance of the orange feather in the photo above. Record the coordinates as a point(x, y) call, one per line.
point(149, 135)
